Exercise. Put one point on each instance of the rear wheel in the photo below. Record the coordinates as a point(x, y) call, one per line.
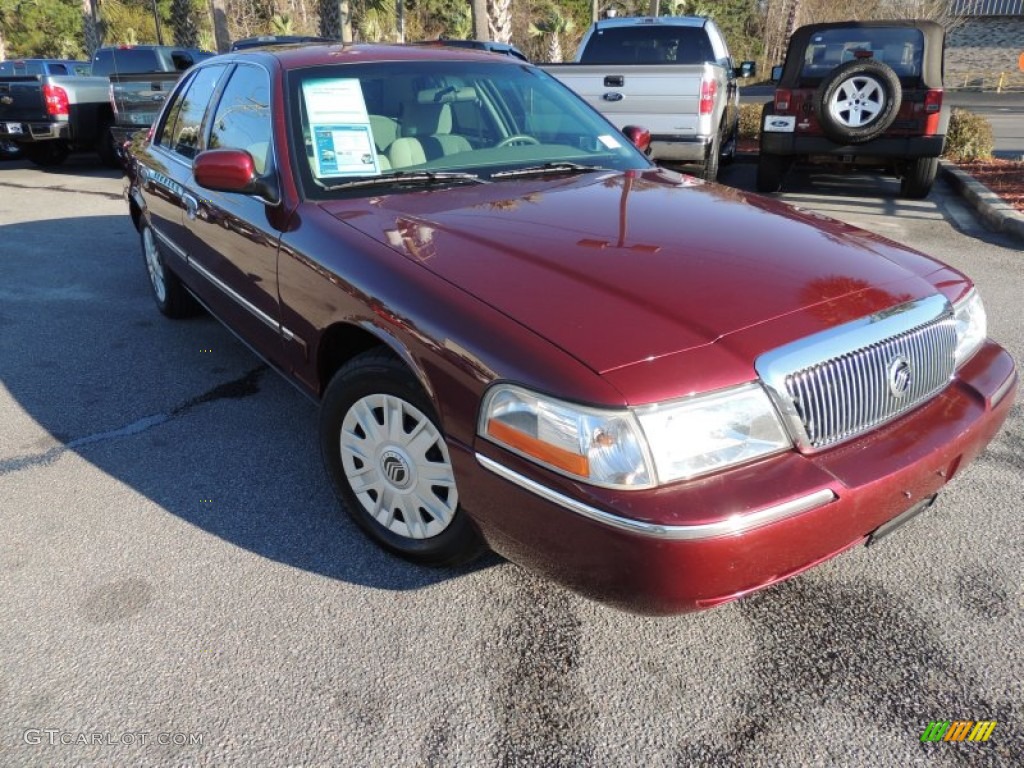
point(105, 146)
point(389, 462)
point(171, 297)
point(47, 154)
point(919, 177)
point(709, 171)
point(771, 170)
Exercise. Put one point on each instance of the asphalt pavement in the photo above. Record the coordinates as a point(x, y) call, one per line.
point(178, 587)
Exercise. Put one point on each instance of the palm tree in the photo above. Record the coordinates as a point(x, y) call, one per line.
point(336, 20)
point(183, 21)
point(281, 24)
point(480, 19)
point(91, 28)
point(552, 27)
point(499, 20)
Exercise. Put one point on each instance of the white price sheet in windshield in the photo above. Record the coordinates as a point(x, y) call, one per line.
point(340, 128)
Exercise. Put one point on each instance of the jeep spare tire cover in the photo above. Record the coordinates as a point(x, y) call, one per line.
point(858, 101)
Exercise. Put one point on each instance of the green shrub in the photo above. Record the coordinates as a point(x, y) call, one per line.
point(750, 121)
point(969, 137)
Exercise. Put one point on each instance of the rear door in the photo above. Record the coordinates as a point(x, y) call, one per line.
point(165, 168)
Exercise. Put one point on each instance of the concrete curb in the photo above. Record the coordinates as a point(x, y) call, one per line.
point(997, 214)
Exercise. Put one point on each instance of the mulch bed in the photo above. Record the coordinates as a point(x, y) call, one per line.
point(1004, 177)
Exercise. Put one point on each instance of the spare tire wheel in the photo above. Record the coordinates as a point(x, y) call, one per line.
point(858, 101)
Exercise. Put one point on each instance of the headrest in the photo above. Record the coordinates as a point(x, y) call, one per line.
point(446, 95)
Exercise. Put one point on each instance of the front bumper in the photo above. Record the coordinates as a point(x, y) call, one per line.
point(795, 144)
point(698, 544)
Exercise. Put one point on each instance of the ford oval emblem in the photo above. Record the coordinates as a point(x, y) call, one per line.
point(899, 375)
point(612, 96)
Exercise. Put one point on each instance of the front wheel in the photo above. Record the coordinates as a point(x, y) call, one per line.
point(389, 462)
point(919, 177)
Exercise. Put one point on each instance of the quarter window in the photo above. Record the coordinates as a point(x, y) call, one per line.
point(183, 124)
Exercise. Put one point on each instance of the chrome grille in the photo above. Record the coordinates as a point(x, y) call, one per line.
point(843, 382)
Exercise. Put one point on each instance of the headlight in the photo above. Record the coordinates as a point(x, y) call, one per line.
point(701, 434)
point(635, 448)
point(599, 446)
point(971, 326)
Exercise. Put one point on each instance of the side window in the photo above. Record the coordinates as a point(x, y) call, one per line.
point(166, 132)
point(185, 135)
point(242, 120)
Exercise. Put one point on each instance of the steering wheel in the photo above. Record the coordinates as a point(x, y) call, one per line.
point(517, 138)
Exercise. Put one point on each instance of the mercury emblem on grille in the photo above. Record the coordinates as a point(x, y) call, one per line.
point(899, 376)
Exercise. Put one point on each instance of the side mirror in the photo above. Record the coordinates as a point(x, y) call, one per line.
point(232, 170)
point(776, 73)
point(748, 69)
point(638, 136)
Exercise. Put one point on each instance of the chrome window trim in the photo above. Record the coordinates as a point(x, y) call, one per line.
point(737, 524)
point(774, 366)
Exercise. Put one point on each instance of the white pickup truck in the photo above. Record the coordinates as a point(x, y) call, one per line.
point(671, 74)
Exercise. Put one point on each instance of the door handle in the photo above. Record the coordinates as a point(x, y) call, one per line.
point(191, 205)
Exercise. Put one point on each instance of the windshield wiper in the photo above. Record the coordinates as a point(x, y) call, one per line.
point(554, 167)
point(408, 177)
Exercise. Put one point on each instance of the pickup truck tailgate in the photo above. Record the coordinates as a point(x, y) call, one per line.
point(21, 100)
point(663, 99)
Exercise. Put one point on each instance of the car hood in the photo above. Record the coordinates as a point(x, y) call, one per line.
point(620, 268)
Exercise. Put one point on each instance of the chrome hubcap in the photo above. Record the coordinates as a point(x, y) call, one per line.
point(154, 264)
point(857, 101)
point(398, 465)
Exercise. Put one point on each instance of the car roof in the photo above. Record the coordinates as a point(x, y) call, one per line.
point(304, 55)
point(637, 21)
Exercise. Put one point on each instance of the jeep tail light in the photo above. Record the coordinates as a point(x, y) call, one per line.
point(56, 100)
point(708, 88)
point(933, 101)
point(782, 98)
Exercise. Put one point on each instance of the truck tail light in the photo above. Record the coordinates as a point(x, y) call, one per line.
point(782, 98)
point(56, 100)
point(708, 88)
point(933, 101)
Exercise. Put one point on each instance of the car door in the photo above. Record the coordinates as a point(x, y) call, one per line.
point(165, 168)
point(230, 238)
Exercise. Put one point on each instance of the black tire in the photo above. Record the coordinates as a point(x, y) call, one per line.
point(728, 156)
point(874, 93)
point(368, 390)
point(919, 177)
point(47, 154)
point(10, 150)
point(709, 170)
point(105, 146)
point(771, 171)
point(171, 297)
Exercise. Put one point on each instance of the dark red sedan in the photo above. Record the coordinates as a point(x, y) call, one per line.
point(524, 336)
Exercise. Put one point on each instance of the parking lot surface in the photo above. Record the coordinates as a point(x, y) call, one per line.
point(178, 586)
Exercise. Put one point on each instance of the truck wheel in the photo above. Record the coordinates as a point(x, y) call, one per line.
point(728, 156)
point(105, 146)
point(47, 154)
point(10, 150)
point(919, 177)
point(771, 169)
point(709, 171)
point(858, 101)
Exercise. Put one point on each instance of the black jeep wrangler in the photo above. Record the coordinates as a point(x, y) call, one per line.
point(862, 94)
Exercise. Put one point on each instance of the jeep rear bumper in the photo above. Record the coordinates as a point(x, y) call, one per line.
point(900, 147)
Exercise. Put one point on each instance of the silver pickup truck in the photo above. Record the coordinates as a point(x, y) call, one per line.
point(671, 74)
point(47, 116)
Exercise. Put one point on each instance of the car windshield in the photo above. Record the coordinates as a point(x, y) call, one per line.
point(900, 48)
point(401, 119)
